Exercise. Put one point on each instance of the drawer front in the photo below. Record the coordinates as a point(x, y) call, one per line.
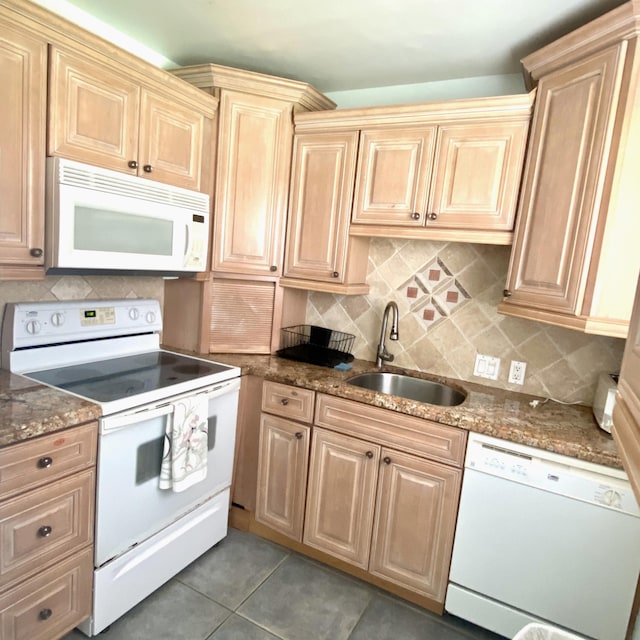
point(287, 401)
point(50, 604)
point(41, 460)
point(43, 525)
point(389, 428)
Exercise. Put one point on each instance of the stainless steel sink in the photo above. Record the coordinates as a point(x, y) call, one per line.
point(397, 384)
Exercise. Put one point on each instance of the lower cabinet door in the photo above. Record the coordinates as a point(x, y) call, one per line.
point(414, 525)
point(341, 496)
point(282, 475)
point(50, 604)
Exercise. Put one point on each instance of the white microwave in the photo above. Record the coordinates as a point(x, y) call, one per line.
point(99, 220)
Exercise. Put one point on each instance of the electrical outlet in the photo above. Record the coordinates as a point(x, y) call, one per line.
point(517, 371)
point(486, 367)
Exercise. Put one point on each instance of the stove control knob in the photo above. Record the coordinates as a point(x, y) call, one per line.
point(134, 314)
point(150, 317)
point(57, 319)
point(32, 327)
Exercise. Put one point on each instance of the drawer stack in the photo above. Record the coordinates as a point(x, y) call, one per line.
point(47, 488)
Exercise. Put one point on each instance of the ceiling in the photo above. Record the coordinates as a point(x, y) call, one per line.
point(341, 45)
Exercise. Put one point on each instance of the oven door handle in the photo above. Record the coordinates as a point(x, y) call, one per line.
point(115, 423)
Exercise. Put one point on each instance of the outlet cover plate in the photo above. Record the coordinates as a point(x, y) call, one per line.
point(486, 367)
point(517, 371)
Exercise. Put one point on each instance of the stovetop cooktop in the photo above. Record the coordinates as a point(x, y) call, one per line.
point(116, 378)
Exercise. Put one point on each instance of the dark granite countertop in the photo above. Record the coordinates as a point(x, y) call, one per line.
point(569, 430)
point(28, 409)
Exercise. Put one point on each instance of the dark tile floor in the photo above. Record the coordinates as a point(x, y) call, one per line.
point(247, 588)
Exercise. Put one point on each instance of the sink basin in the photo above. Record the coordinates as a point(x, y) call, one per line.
point(397, 384)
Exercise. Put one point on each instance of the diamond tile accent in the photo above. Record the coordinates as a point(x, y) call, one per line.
point(435, 283)
point(430, 312)
point(452, 296)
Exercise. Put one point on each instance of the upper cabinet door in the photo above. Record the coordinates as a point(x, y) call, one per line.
point(170, 147)
point(557, 230)
point(320, 205)
point(255, 137)
point(626, 413)
point(394, 168)
point(23, 77)
point(477, 175)
point(93, 113)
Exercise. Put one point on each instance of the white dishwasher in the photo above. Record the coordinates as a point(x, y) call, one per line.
point(543, 538)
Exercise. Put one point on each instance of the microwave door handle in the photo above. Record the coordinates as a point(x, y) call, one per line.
point(186, 240)
point(115, 423)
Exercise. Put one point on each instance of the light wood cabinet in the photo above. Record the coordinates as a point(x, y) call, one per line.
point(575, 260)
point(253, 164)
point(47, 493)
point(283, 460)
point(341, 496)
point(23, 77)
point(282, 475)
point(415, 522)
point(320, 255)
point(102, 116)
point(388, 509)
point(626, 413)
point(368, 490)
point(394, 171)
point(51, 603)
point(455, 176)
point(443, 171)
point(255, 135)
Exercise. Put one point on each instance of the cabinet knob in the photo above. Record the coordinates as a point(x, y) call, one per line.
point(506, 293)
point(147, 168)
point(45, 463)
point(284, 401)
point(36, 253)
point(299, 435)
point(415, 216)
point(45, 531)
point(369, 454)
point(273, 267)
point(45, 614)
point(433, 216)
point(132, 164)
point(386, 460)
point(335, 274)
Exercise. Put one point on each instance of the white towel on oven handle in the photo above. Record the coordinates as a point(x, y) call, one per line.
point(184, 459)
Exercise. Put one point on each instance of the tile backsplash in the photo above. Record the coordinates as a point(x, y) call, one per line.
point(447, 295)
point(80, 288)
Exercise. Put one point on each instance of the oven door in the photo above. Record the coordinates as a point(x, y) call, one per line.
point(130, 507)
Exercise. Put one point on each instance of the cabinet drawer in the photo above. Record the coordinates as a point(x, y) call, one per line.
point(399, 431)
point(51, 603)
point(287, 401)
point(43, 525)
point(41, 460)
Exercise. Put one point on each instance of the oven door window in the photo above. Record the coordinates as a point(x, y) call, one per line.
point(130, 507)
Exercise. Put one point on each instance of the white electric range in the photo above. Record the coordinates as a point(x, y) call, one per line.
point(108, 352)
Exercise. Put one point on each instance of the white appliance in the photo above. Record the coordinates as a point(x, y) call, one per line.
point(605, 400)
point(99, 220)
point(543, 538)
point(108, 352)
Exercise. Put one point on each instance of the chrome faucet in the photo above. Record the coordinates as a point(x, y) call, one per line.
point(383, 355)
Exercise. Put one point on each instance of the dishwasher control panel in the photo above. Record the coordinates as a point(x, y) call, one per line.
point(588, 482)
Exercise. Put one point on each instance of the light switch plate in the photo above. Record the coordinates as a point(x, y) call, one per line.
point(486, 367)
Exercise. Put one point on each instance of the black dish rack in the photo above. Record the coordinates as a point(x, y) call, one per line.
point(315, 345)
